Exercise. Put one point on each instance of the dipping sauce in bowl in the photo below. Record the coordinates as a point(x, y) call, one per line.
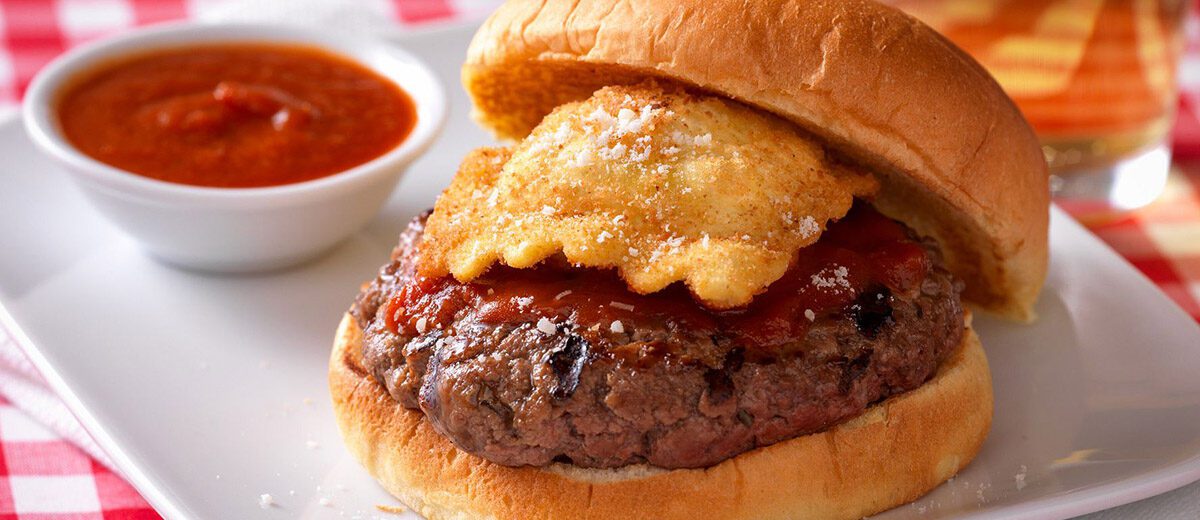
point(238, 115)
point(233, 147)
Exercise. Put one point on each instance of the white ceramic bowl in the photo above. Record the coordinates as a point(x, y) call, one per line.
point(237, 229)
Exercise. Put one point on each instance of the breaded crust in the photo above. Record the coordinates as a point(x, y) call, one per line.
point(661, 185)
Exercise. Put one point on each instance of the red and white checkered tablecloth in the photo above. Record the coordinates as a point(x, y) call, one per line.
point(1162, 239)
point(44, 477)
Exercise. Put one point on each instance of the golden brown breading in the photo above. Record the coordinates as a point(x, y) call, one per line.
point(660, 184)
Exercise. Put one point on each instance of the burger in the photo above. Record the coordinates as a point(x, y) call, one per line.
point(719, 270)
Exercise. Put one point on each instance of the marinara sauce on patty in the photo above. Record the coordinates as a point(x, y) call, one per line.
point(565, 364)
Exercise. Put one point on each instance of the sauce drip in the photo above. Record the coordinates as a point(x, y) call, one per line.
point(854, 269)
point(235, 116)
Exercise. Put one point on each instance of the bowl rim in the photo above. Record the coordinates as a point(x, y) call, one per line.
point(40, 114)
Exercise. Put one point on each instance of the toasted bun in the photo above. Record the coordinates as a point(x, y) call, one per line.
point(957, 160)
point(893, 453)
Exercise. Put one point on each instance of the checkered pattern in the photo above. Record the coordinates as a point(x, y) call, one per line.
point(1162, 239)
point(44, 477)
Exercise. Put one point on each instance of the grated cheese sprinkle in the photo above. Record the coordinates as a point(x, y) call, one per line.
point(832, 278)
point(808, 227)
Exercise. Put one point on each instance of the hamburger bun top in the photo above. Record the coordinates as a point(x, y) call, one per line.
point(955, 159)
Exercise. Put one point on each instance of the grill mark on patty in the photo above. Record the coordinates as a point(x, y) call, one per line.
point(853, 370)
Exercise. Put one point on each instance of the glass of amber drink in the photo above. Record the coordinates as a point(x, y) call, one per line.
point(1097, 80)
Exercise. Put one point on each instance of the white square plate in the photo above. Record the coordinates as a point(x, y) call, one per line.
point(207, 390)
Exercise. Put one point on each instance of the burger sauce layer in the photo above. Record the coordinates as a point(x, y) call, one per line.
point(558, 363)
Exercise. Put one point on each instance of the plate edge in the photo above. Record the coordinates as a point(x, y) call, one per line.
point(128, 468)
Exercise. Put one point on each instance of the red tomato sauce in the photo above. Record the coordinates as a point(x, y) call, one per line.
point(862, 254)
point(236, 115)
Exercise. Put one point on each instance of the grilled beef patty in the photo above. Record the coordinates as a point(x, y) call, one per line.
point(555, 363)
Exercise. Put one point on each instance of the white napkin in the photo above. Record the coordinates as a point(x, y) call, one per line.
point(21, 384)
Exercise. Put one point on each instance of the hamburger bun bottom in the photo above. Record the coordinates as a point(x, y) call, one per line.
point(893, 453)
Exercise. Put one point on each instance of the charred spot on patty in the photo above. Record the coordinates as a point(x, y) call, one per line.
point(567, 360)
point(873, 310)
point(866, 312)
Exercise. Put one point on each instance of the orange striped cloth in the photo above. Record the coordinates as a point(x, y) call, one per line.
point(1077, 68)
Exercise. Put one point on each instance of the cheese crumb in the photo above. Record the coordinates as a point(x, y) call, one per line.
point(808, 227)
point(562, 295)
point(622, 306)
point(616, 152)
point(548, 210)
point(265, 500)
point(808, 313)
point(546, 326)
point(832, 278)
point(640, 155)
point(617, 327)
point(582, 159)
point(422, 323)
